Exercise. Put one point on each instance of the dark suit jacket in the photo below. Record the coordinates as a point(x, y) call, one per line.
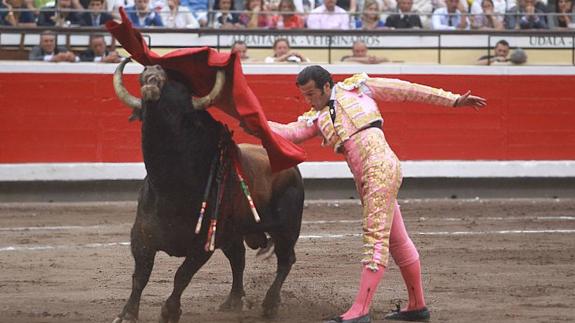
point(46, 14)
point(87, 19)
point(408, 21)
point(88, 55)
point(37, 54)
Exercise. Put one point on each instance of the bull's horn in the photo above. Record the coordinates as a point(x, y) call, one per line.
point(206, 101)
point(123, 94)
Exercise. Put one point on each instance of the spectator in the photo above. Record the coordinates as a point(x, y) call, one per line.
point(98, 52)
point(359, 55)
point(254, 18)
point(224, 18)
point(488, 19)
point(564, 15)
point(286, 19)
point(23, 16)
point(500, 54)
point(142, 15)
point(452, 17)
point(48, 16)
point(526, 15)
point(283, 53)
point(199, 9)
point(47, 51)
point(370, 17)
point(328, 16)
point(349, 6)
point(178, 16)
point(240, 47)
point(113, 6)
point(96, 16)
point(424, 8)
point(404, 18)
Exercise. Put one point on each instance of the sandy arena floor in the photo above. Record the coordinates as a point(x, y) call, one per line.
point(483, 261)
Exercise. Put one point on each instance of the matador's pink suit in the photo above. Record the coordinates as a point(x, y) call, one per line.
point(357, 134)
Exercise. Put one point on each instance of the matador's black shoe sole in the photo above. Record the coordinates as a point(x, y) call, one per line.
point(361, 319)
point(421, 315)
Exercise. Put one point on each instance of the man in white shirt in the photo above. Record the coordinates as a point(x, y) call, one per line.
point(451, 17)
point(328, 16)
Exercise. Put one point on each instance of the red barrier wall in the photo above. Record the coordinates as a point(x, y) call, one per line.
point(77, 118)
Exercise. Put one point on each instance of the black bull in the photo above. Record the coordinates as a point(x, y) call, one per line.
point(179, 142)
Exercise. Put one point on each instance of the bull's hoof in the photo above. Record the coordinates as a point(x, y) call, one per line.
point(170, 315)
point(270, 312)
point(271, 306)
point(125, 318)
point(233, 303)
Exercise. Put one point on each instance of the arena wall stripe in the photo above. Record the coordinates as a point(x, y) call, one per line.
point(62, 119)
point(310, 170)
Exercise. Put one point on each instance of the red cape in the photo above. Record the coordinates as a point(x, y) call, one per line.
point(197, 67)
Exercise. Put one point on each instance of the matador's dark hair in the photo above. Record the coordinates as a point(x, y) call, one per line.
point(316, 73)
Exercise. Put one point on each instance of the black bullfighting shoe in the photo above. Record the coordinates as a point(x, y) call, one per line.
point(421, 315)
point(361, 319)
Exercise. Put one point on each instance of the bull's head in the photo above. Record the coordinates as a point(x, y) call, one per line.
point(152, 80)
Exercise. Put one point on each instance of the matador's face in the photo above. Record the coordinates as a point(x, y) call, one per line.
point(317, 98)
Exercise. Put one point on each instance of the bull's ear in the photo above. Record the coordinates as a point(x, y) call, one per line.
point(205, 101)
point(123, 94)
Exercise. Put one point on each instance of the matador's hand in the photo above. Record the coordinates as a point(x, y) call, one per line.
point(473, 101)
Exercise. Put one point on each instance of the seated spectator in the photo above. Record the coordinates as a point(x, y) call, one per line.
point(224, 19)
point(370, 16)
point(564, 14)
point(113, 6)
point(178, 16)
point(254, 18)
point(98, 52)
point(488, 19)
point(47, 51)
point(96, 16)
point(199, 9)
point(286, 19)
point(452, 17)
point(328, 16)
point(359, 55)
point(424, 8)
point(240, 47)
point(17, 13)
point(500, 54)
point(142, 15)
point(283, 53)
point(64, 18)
point(526, 15)
point(404, 18)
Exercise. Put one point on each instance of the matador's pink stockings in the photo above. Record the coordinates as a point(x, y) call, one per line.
point(406, 257)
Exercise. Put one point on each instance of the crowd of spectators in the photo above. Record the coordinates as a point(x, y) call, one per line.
point(290, 14)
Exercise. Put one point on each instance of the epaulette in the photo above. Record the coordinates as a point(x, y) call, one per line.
point(353, 82)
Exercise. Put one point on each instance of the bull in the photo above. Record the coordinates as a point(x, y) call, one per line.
point(180, 139)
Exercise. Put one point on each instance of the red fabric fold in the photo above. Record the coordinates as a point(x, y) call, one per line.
point(196, 67)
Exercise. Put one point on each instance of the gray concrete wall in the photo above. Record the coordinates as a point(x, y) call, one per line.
point(58, 191)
